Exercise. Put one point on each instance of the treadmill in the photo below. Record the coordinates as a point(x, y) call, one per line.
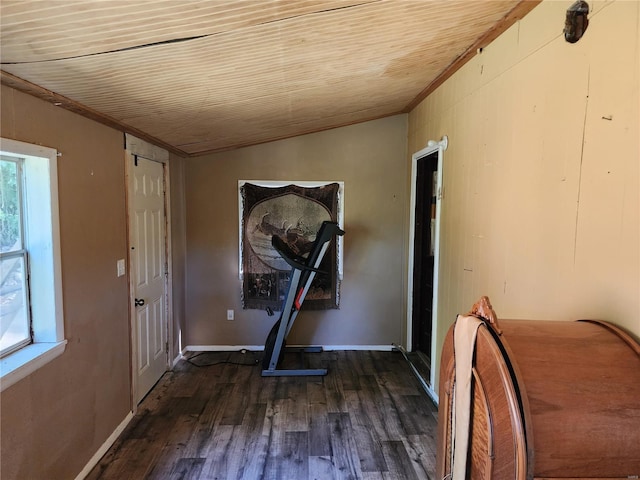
point(303, 272)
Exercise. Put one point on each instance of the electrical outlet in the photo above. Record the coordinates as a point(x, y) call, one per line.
point(229, 314)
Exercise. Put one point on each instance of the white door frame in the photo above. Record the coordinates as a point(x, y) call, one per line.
point(431, 148)
point(135, 146)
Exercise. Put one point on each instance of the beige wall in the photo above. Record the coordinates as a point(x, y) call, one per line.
point(369, 158)
point(53, 421)
point(541, 207)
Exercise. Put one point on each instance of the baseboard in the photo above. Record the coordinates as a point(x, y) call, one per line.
point(259, 348)
point(377, 348)
point(176, 360)
point(433, 395)
point(105, 447)
point(222, 348)
point(425, 385)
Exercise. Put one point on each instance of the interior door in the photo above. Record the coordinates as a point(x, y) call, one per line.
point(423, 272)
point(148, 267)
point(424, 243)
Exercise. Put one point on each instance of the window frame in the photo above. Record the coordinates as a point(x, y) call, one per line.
point(20, 253)
point(42, 242)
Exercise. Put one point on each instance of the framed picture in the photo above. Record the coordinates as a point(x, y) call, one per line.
point(294, 212)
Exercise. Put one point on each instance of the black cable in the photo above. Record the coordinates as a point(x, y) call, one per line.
point(221, 362)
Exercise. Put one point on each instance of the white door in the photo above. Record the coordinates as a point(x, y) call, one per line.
point(148, 269)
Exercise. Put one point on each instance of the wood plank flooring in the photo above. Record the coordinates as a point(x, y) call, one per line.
point(367, 419)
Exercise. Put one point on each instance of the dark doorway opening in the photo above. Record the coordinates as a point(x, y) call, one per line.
point(423, 263)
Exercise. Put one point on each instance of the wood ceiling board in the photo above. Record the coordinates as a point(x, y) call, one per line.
point(271, 67)
point(260, 123)
point(38, 30)
point(239, 141)
point(518, 12)
point(72, 106)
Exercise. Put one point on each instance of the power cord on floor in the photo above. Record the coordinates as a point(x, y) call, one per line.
point(222, 362)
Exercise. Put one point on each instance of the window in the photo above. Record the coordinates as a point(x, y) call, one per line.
point(15, 321)
point(31, 321)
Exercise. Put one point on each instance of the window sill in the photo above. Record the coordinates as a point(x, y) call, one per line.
point(27, 360)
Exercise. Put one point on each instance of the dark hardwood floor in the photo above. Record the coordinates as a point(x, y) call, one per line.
point(367, 419)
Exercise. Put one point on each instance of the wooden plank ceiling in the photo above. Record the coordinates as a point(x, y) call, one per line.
point(204, 76)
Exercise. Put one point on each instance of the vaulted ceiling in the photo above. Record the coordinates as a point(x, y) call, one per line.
point(199, 76)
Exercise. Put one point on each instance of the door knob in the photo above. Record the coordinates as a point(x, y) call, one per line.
point(139, 302)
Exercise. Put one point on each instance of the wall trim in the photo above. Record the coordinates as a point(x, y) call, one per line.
point(176, 360)
point(378, 348)
point(104, 447)
point(431, 148)
point(425, 385)
point(259, 348)
point(221, 348)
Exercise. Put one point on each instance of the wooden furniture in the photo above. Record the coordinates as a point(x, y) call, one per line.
point(549, 400)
